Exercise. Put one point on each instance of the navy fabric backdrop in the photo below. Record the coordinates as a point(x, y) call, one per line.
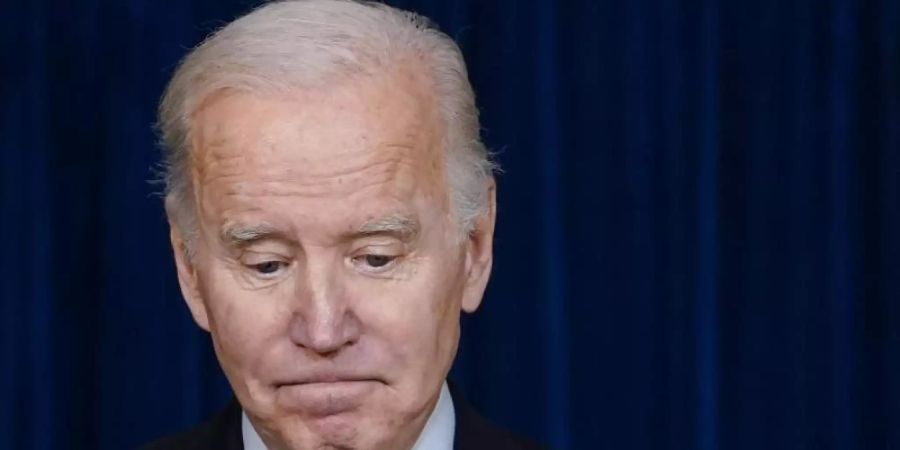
point(698, 243)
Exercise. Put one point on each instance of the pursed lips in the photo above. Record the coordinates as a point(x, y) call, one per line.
point(325, 378)
point(325, 394)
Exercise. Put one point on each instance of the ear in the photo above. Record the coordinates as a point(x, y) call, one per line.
point(480, 253)
point(187, 271)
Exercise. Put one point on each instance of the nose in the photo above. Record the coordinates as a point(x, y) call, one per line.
point(322, 321)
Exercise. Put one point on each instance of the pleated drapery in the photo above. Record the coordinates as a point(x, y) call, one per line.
point(698, 242)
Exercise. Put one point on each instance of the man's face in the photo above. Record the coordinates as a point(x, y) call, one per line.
point(327, 268)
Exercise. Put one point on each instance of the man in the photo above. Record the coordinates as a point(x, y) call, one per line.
point(332, 212)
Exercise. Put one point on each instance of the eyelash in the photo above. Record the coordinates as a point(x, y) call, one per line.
point(259, 269)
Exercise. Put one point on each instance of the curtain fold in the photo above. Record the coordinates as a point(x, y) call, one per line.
point(697, 244)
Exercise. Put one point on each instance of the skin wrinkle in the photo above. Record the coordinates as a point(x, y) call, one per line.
point(315, 188)
point(237, 236)
point(360, 189)
point(318, 172)
point(385, 171)
point(416, 88)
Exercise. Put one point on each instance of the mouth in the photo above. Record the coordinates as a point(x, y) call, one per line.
point(325, 395)
point(325, 380)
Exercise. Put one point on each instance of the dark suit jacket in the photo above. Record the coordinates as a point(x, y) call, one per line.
point(223, 432)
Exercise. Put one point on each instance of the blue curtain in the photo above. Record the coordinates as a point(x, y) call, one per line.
point(698, 243)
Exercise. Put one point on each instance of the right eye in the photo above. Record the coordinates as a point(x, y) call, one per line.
point(268, 269)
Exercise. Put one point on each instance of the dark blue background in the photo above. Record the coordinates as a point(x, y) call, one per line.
point(698, 243)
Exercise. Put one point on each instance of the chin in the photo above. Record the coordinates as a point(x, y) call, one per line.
point(335, 418)
point(357, 415)
point(336, 432)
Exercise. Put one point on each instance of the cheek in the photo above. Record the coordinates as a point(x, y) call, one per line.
point(415, 320)
point(240, 323)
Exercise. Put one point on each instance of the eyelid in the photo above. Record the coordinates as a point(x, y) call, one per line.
point(249, 260)
point(264, 246)
point(395, 252)
point(282, 266)
point(380, 239)
point(381, 249)
point(248, 255)
point(359, 262)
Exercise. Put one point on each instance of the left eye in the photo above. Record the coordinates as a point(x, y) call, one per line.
point(374, 261)
point(378, 260)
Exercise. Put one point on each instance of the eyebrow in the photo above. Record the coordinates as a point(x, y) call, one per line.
point(401, 226)
point(397, 225)
point(239, 236)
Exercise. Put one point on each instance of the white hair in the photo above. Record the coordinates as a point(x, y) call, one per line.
point(302, 44)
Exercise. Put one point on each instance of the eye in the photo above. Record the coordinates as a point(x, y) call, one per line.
point(378, 260)
point(374, 262)
point(267, 269)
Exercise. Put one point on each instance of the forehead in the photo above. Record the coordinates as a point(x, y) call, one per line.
point(377, 136)
point(350, 115)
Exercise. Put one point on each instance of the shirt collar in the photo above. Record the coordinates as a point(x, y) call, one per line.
point(437, 434)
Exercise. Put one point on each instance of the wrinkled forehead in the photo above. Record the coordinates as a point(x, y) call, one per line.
point(327, 142)
point(345, 117)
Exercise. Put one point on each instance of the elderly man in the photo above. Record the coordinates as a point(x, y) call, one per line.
point(332, 212)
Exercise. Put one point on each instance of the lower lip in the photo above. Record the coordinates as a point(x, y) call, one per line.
point(324, 399)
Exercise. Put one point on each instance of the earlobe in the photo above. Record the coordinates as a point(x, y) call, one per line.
point(480, 253)
point(187, 275)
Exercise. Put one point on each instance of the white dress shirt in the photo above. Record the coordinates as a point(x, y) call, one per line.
point(437, 434)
